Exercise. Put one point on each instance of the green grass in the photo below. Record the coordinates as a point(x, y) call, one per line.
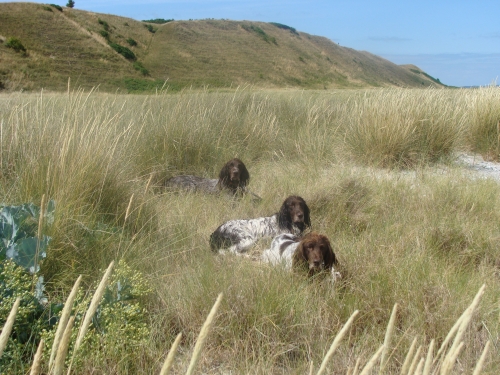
point(424, 236)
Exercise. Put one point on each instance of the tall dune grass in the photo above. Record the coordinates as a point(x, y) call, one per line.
point(422, 239)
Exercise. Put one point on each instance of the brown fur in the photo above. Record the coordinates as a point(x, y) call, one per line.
point(314, 253)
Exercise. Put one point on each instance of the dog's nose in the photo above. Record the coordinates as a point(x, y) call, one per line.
point(300, 216)
point(317, 264)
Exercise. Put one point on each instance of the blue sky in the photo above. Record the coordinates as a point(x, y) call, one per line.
point(456, 41)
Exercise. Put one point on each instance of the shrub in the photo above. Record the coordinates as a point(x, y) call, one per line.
point(150, 28)
point(261, 33)
point(158, 20)
point(15, 44)
point(58, 7)
point(132, 42)
point(138, 66)
point(70, 4)
point(49, 9)
point(104, 34)
point(285, 27)
point(124, 51)
point(104, 24)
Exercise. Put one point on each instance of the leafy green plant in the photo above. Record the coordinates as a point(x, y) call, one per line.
point(124, 51)
point(58, 7)
point(285, 27)
point(150, 28)
point(104, 34)
point(18, 234)
point(49, 9)
point(104, 24)
point(261, 33)
point(138, 66)
point(158, 20)
point(131, 42)
point(21, 250)
point(15, 44)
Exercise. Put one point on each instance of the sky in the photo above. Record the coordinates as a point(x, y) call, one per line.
point(456, 41)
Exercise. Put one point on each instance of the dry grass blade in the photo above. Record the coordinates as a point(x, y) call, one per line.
point(418, 370)
point(62, 350)
point(388, 336)
point(459, 326)
point(428, 360)
point(93, 307)
point(356, 367)
point(409, 356)
point(311, 368)
point(336, 342)
point(479, 364)
point(414, 362)
point(61, 326)
point(466, 320)
point(37, 360)
point(4, 336)
point(449, 361)
point(368, 367)
point(90, 313)
point(203, 335)
point(170, 356)
point(127, 213)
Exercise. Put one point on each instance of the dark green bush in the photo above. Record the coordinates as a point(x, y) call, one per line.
point(104, 24)
point(132, 42)
point(58, 7)
point(49, 9)
point(138, 66)
point(124, 51)
point(284, 27)
point(104, 34)
point(158, 20)
point(15, 44)
point(261, 33)
point(150, 28)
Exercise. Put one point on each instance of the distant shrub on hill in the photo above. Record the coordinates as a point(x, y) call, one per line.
point(138, 66)
point(104, 24)
point(47, 8)
point(132, 42)
point(158, 20)
point(284, 27)
point(124, 51)
point(261, 33)
point(58, 7)
point(15, 44)
point(104, 34)
point(150, 28)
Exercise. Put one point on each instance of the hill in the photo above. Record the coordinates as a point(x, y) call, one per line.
point(114, 52)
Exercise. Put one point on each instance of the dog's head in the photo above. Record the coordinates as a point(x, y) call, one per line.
point(315, 253)
point(234, 175)
point(294, 213)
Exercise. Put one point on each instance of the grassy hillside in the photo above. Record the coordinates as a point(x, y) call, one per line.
point(375, 167)
point(219, 53)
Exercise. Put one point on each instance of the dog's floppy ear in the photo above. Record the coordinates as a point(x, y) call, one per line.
point(328, 254)
point(284, 219)
point(244, 174)
point(307, 216)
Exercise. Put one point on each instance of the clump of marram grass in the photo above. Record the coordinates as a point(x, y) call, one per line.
point(403, 128)
point(443, 362)
point(425, 239)
point(483, 131)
